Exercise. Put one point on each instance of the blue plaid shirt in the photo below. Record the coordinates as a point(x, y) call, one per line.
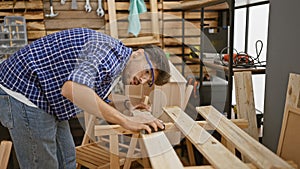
point(85, 56)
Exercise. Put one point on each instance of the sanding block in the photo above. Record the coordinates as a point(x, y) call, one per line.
point(152, 129)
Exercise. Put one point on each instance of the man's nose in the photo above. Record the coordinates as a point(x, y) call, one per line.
point(143, 80)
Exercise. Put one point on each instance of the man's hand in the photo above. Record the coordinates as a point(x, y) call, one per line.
point(142, 122)
point(142, 106)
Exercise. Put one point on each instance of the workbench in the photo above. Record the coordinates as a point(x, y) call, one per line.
point(162, 155)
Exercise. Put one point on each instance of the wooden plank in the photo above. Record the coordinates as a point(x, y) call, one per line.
point(189, 5)
point(35, 26)
point(33, 35)
point(257, 153)
point(35, 15)
point(288, 146)
point(5, 149)
point(130, 153)
point(32, 5)
point(245, 101)
point(217, 155)
point(160, 151)
point(76, 15)
point(189, 24)
point(190, 151)
point(6, 5)
point(112, 18)
point(154, 20)
point(67, 24)
point(189, 15)
point(169, 5)
point(54, 31)
point(210, 167)
point(67, 6)
point(140, 41)
point(114, 152)
point(170, 15)
point(102, 130)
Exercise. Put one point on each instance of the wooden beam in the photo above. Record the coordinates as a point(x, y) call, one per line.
point(102, 130)
point(67, 23)
point(245, 101)
point(288, 145)
point(189, 5)
point(171, 5)
point(160, 151)
point(112, 18)
point(5, 149)
point(217, 155)
point(248, 164)
point(257, 153)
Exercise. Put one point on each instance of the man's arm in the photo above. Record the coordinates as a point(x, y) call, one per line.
point(86, 98)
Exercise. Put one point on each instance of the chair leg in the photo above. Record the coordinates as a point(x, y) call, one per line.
point(114, 152)
point(130, 152)
point(145, 160)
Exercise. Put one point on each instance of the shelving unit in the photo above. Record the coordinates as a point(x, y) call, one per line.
point(13, 35)
point(228, 69)
point(219, 4)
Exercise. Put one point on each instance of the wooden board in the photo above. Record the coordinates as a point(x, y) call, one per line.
point(257, 153)
point(288, 146)
point(160, 151)
point(5, 149)
point(217, 155)
point(245, 101)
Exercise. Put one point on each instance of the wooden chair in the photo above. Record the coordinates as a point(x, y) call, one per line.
point(96, 154)
point(5, 149)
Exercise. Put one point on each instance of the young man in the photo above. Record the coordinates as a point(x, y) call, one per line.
point(51, 80)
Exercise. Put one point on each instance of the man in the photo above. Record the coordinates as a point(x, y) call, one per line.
point(51, 80)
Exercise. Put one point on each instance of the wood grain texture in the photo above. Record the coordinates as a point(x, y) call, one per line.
point(245, 101)
point(160, 151)
point(288, 145)
point(257, 153)
point(217, 155)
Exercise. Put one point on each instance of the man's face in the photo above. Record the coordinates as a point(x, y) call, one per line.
point(138, 70)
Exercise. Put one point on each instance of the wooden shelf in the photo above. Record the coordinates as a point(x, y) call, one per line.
point(194, 4)
point(209, 64)
point(254, 70)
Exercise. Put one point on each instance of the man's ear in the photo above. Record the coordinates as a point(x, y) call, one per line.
point(140, 51)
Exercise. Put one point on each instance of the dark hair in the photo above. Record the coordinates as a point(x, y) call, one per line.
point(161, 62)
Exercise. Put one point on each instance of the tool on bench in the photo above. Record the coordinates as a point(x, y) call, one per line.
point(52, 14)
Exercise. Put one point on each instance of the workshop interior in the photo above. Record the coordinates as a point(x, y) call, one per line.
point(233, 98)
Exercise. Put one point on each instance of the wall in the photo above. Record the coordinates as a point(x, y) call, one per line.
point(38, 25)
point(282, 59)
